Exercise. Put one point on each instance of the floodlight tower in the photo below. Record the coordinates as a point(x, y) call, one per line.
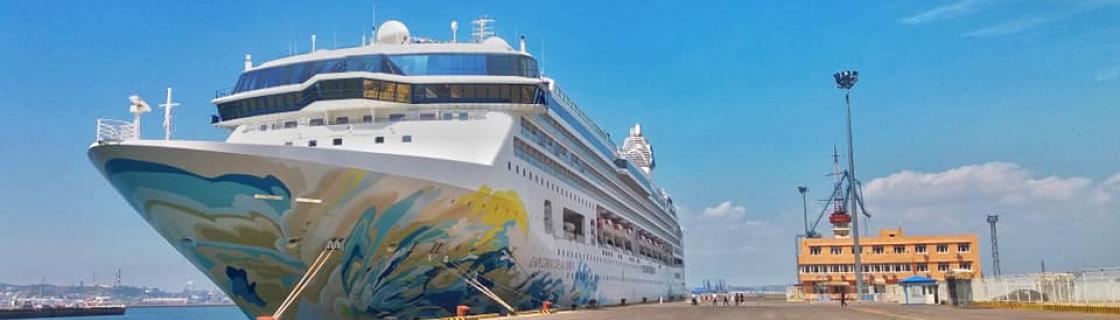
point(992, 219)
point(845, 80)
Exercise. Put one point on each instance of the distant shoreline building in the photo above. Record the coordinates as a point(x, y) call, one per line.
point(826, 266)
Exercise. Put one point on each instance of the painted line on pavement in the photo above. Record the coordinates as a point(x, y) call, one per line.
point(884, 313)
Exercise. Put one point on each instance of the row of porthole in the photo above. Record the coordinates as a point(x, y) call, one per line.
point(540, 180)
point(338, 141)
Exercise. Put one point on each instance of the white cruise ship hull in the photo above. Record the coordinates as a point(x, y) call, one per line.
point(254, 217)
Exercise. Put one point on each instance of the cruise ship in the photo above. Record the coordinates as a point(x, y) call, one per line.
point(404, 178)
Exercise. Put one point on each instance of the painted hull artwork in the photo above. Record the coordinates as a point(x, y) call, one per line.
point(254, 225)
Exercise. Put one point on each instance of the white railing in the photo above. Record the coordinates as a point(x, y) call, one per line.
point(109, 130)
point(1090, 287)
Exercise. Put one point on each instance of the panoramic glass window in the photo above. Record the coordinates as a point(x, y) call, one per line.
point(407, 65)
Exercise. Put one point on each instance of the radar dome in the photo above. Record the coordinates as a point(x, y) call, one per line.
point(392, 32)
point(495, 41)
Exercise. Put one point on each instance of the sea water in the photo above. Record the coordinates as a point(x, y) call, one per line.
point(172, 313)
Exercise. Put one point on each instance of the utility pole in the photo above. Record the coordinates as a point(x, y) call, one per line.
point(845, 80)
point(992, 219)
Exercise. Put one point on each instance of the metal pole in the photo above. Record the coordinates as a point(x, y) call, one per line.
point(804, 208)
point(856, 251)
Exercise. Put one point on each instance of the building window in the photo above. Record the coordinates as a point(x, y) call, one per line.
point(966, 265)
point(406, 138)
point(899, 249)
point(942, 248)
point(877, 249)
point(312, 143)
point(287, 143)
point(337, 141)
point(923, 268)
point(367, 118)
point(814, 251)
point(379, 140)
point(289, 124)
point(548, 226)
point(315, 122)
point(964, 247)
point(837, 250)
point(921, 248)
point(263, 127)
point(943, 267)
point(462, 116)
point(342, 120)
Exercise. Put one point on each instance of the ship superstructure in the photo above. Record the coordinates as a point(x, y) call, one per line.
point(435, 173)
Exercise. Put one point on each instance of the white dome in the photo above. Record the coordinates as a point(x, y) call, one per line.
point(495, 41)
point(392, 32)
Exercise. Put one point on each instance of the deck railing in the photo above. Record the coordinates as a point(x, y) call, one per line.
point(110, 130)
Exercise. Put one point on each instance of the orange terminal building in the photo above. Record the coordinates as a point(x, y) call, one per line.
point(826, 265)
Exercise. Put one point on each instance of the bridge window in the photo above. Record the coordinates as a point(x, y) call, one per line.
point(384, 91)
point(315, 122)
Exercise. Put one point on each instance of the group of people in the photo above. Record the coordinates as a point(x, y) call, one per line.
point(727, 298)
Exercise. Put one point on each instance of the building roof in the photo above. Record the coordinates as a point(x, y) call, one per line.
point(916, 280)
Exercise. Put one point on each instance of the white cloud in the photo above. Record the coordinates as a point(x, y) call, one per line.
point(726, 211)
point(1070, 222)
point(943, 12)
point(1008, 28)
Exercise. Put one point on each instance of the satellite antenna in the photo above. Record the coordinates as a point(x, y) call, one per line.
point(167, 115)
point(138, 107)
point(454, 31)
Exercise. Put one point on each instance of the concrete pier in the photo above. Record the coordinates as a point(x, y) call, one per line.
point(802, 310)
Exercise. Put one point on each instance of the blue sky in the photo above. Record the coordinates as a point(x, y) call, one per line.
point(964, 108)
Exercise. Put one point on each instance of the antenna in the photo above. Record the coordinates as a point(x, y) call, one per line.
point(483, 28)
point(248, 62)
point(167, 115)
point(373, 22)
point(137, 107)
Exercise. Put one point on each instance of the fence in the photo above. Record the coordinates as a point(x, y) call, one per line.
point(1088, 287)
point(109, 130)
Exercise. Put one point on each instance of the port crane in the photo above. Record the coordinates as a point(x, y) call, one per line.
point(845, 188)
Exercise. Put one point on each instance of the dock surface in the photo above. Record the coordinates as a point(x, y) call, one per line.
point(802, 310)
